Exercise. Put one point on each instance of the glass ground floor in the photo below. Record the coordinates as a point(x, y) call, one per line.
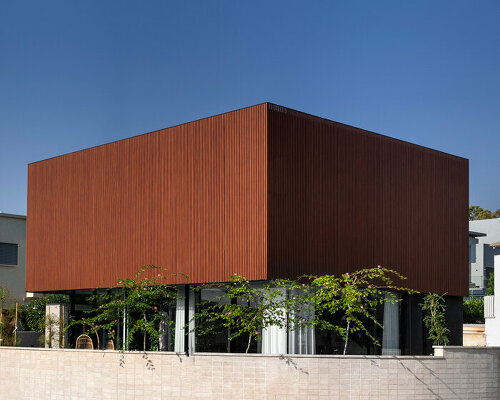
point(403, 334)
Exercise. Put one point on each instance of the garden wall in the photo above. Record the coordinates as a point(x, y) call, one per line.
point(454, 373)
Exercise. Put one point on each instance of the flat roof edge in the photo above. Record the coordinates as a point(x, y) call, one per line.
point(17, 216)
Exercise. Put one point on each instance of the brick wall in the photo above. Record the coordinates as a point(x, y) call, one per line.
point(455, 373)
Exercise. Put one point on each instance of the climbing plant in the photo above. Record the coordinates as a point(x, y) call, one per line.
point(244, 308)
point(141, 301)
point(356, 296)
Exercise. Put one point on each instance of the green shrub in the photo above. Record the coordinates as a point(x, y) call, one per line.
point(32, 315)
point(490, 288)
point(473, 310)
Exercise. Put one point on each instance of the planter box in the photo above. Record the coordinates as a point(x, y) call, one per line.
point(30, 339)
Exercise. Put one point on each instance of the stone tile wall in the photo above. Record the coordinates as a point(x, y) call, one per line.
point(455, 373)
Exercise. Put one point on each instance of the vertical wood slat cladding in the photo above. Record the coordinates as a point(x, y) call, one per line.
point(341, 198)
point(265, 191)
point(191, 198)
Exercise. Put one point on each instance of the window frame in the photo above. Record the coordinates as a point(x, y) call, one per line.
point(17, 255)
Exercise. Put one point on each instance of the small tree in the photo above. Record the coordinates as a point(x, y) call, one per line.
point(434, 320)
point(478, 213)
point(246, 309)
point(142, 298)
point(356, 295)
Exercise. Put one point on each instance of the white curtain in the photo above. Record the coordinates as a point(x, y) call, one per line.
point(180, 321)
point(390, 337)
point(273, 340)
point(191, 312)
point(301, 340)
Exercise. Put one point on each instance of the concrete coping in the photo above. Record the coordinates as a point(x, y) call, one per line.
point(332, 356)
point(439, 350)
point(252, 355)
point(467, 347)
point(438, 353)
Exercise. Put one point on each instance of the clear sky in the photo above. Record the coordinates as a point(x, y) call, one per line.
point(78, 74)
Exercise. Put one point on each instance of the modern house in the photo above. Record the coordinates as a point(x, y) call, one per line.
point(13, 255)
point(482, 254)
point(266, 192)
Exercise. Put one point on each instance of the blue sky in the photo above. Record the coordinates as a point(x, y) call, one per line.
point(78, 74)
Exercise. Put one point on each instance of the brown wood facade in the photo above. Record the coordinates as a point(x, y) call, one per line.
point(264, 191)
point(191, 199)
point(341, 198)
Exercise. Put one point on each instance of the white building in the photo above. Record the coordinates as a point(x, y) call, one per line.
point(492, 308)
point(482, 254)
point(13, 255)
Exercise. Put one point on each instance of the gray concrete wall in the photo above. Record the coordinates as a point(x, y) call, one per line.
point(459, 373)
point(13, 230)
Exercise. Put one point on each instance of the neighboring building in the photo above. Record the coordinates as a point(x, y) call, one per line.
point(492, 307)
point(482, 254)
point(13, 255)
point(473, 278)
point(266, 192)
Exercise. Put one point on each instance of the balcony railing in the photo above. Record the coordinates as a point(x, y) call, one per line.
point(489, 306)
